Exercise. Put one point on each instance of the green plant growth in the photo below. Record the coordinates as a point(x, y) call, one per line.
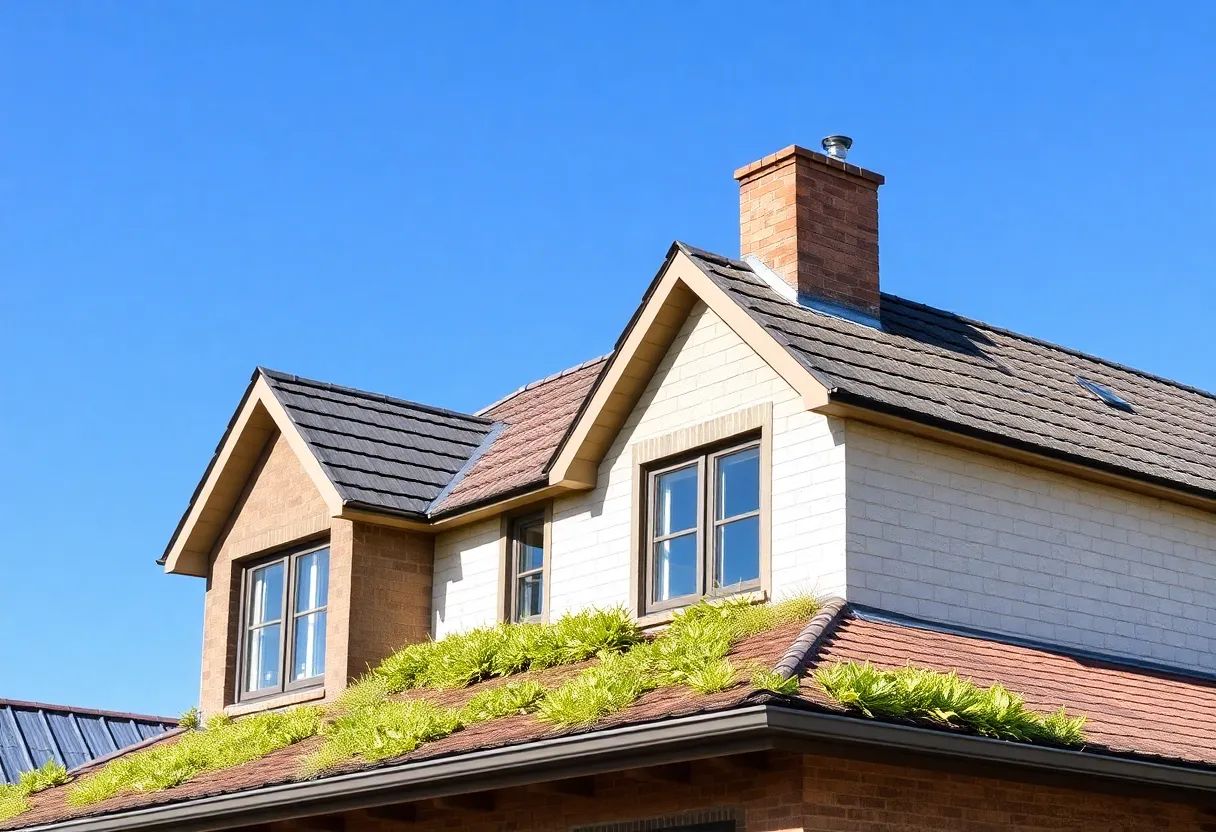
point(189, 720)
point(774, 682)
point(918, 693)
point(13, 796)
point(222, 744)
point(366, 722)
point(690, 652)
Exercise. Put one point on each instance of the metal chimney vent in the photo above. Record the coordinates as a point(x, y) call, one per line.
point(837, 146)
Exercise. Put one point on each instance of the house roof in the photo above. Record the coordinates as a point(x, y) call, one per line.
point(534, 417)
point(33, 733)
point(943, 369)
point(379, 452)
point(1132, 713)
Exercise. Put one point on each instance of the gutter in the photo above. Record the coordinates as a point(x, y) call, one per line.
point(739, 730)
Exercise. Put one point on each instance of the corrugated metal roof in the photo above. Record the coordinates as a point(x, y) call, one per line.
point(32, 733)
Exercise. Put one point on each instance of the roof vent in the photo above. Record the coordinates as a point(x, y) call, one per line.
point(1106, 394)
point(837, 146)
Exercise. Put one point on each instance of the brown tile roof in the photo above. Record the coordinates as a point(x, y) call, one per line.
point(1128, 709)
point(943, 369)
point(284, 765)
point(535, 418)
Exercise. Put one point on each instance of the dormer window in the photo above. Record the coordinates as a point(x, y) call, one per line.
point(283, 620)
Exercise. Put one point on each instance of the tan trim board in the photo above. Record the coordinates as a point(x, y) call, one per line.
point(681, 284)
point(259, 418)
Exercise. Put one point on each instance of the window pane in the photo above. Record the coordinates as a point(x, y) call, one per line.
point(738, 483)
point(531, 546)
point(738, 552)
point(308, 653)
point(266, 594)
point(529, 596)
point(312, 580)
point(262, 658)
point(675, 503)
point(675, 567)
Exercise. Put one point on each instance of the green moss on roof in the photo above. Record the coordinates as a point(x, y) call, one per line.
point(945, 698)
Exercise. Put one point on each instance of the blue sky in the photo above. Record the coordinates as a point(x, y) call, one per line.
point(443, 203)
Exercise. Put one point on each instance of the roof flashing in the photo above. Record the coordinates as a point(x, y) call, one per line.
point(792, 295)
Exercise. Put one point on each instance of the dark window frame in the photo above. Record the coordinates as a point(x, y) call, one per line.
point(705, 459)
point(515, 575)
point(287, 622)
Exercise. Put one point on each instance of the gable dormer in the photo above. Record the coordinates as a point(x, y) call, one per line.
point(303, 590)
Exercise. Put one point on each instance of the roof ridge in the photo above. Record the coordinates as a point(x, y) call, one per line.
point(279, 375)
point(532, 385)
point(821, 625)
point(1054, 346)
point(43, 706)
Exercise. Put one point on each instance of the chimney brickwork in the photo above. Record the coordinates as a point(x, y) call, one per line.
point(814, 221)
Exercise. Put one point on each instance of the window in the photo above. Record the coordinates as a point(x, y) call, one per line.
point(526, 595)
point(283, 622)
point(703, 526)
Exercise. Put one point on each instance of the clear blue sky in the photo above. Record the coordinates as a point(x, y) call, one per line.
point(443, 203)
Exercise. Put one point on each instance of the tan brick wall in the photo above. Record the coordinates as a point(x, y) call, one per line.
point(280, 505)
point(814, 224)
point(816, 794)
point(379, 578)
point(390, 592)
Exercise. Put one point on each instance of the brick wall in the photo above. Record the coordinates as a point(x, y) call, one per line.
point(379, 578)
point(280, 505)
point(390, 593)
point(466, 592)
point(813, 221)
point(815, 794)
point(708, 371)
point(960, 537)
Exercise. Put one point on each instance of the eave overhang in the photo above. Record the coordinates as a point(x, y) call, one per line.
point(759, 727)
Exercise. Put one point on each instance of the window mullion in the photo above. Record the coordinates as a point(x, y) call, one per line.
point(288, 627)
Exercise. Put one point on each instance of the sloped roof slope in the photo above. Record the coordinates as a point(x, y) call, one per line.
point(379, 452)
point(1132, 712)
point(943, 369)
point(535, 417)
point(33, 733)
point(1129, 710)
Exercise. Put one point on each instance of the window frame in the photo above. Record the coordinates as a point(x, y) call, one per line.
point(706, 461)
point(287, 623)
point(514, 575)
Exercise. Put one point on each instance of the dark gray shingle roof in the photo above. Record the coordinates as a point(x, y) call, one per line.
point(379, 452)
point(937, 367)
point(31, 734)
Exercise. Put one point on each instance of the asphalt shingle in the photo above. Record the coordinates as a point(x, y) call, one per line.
point(931, 365)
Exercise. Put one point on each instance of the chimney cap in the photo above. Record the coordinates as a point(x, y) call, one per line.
point(837, 146)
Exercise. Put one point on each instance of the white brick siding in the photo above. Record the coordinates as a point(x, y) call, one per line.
point(964, 538)
point(709, 371)
point(465, 588)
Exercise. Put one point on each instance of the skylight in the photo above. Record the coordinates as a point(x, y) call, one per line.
point(1106, 394)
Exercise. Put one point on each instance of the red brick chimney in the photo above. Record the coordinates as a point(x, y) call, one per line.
point(813, 219)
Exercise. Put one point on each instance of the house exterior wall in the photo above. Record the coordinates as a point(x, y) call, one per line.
point(466, 588)
point(280, 505)
point(956, 536)
point(708, 372)
point(379, 581)
point(812, 793)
